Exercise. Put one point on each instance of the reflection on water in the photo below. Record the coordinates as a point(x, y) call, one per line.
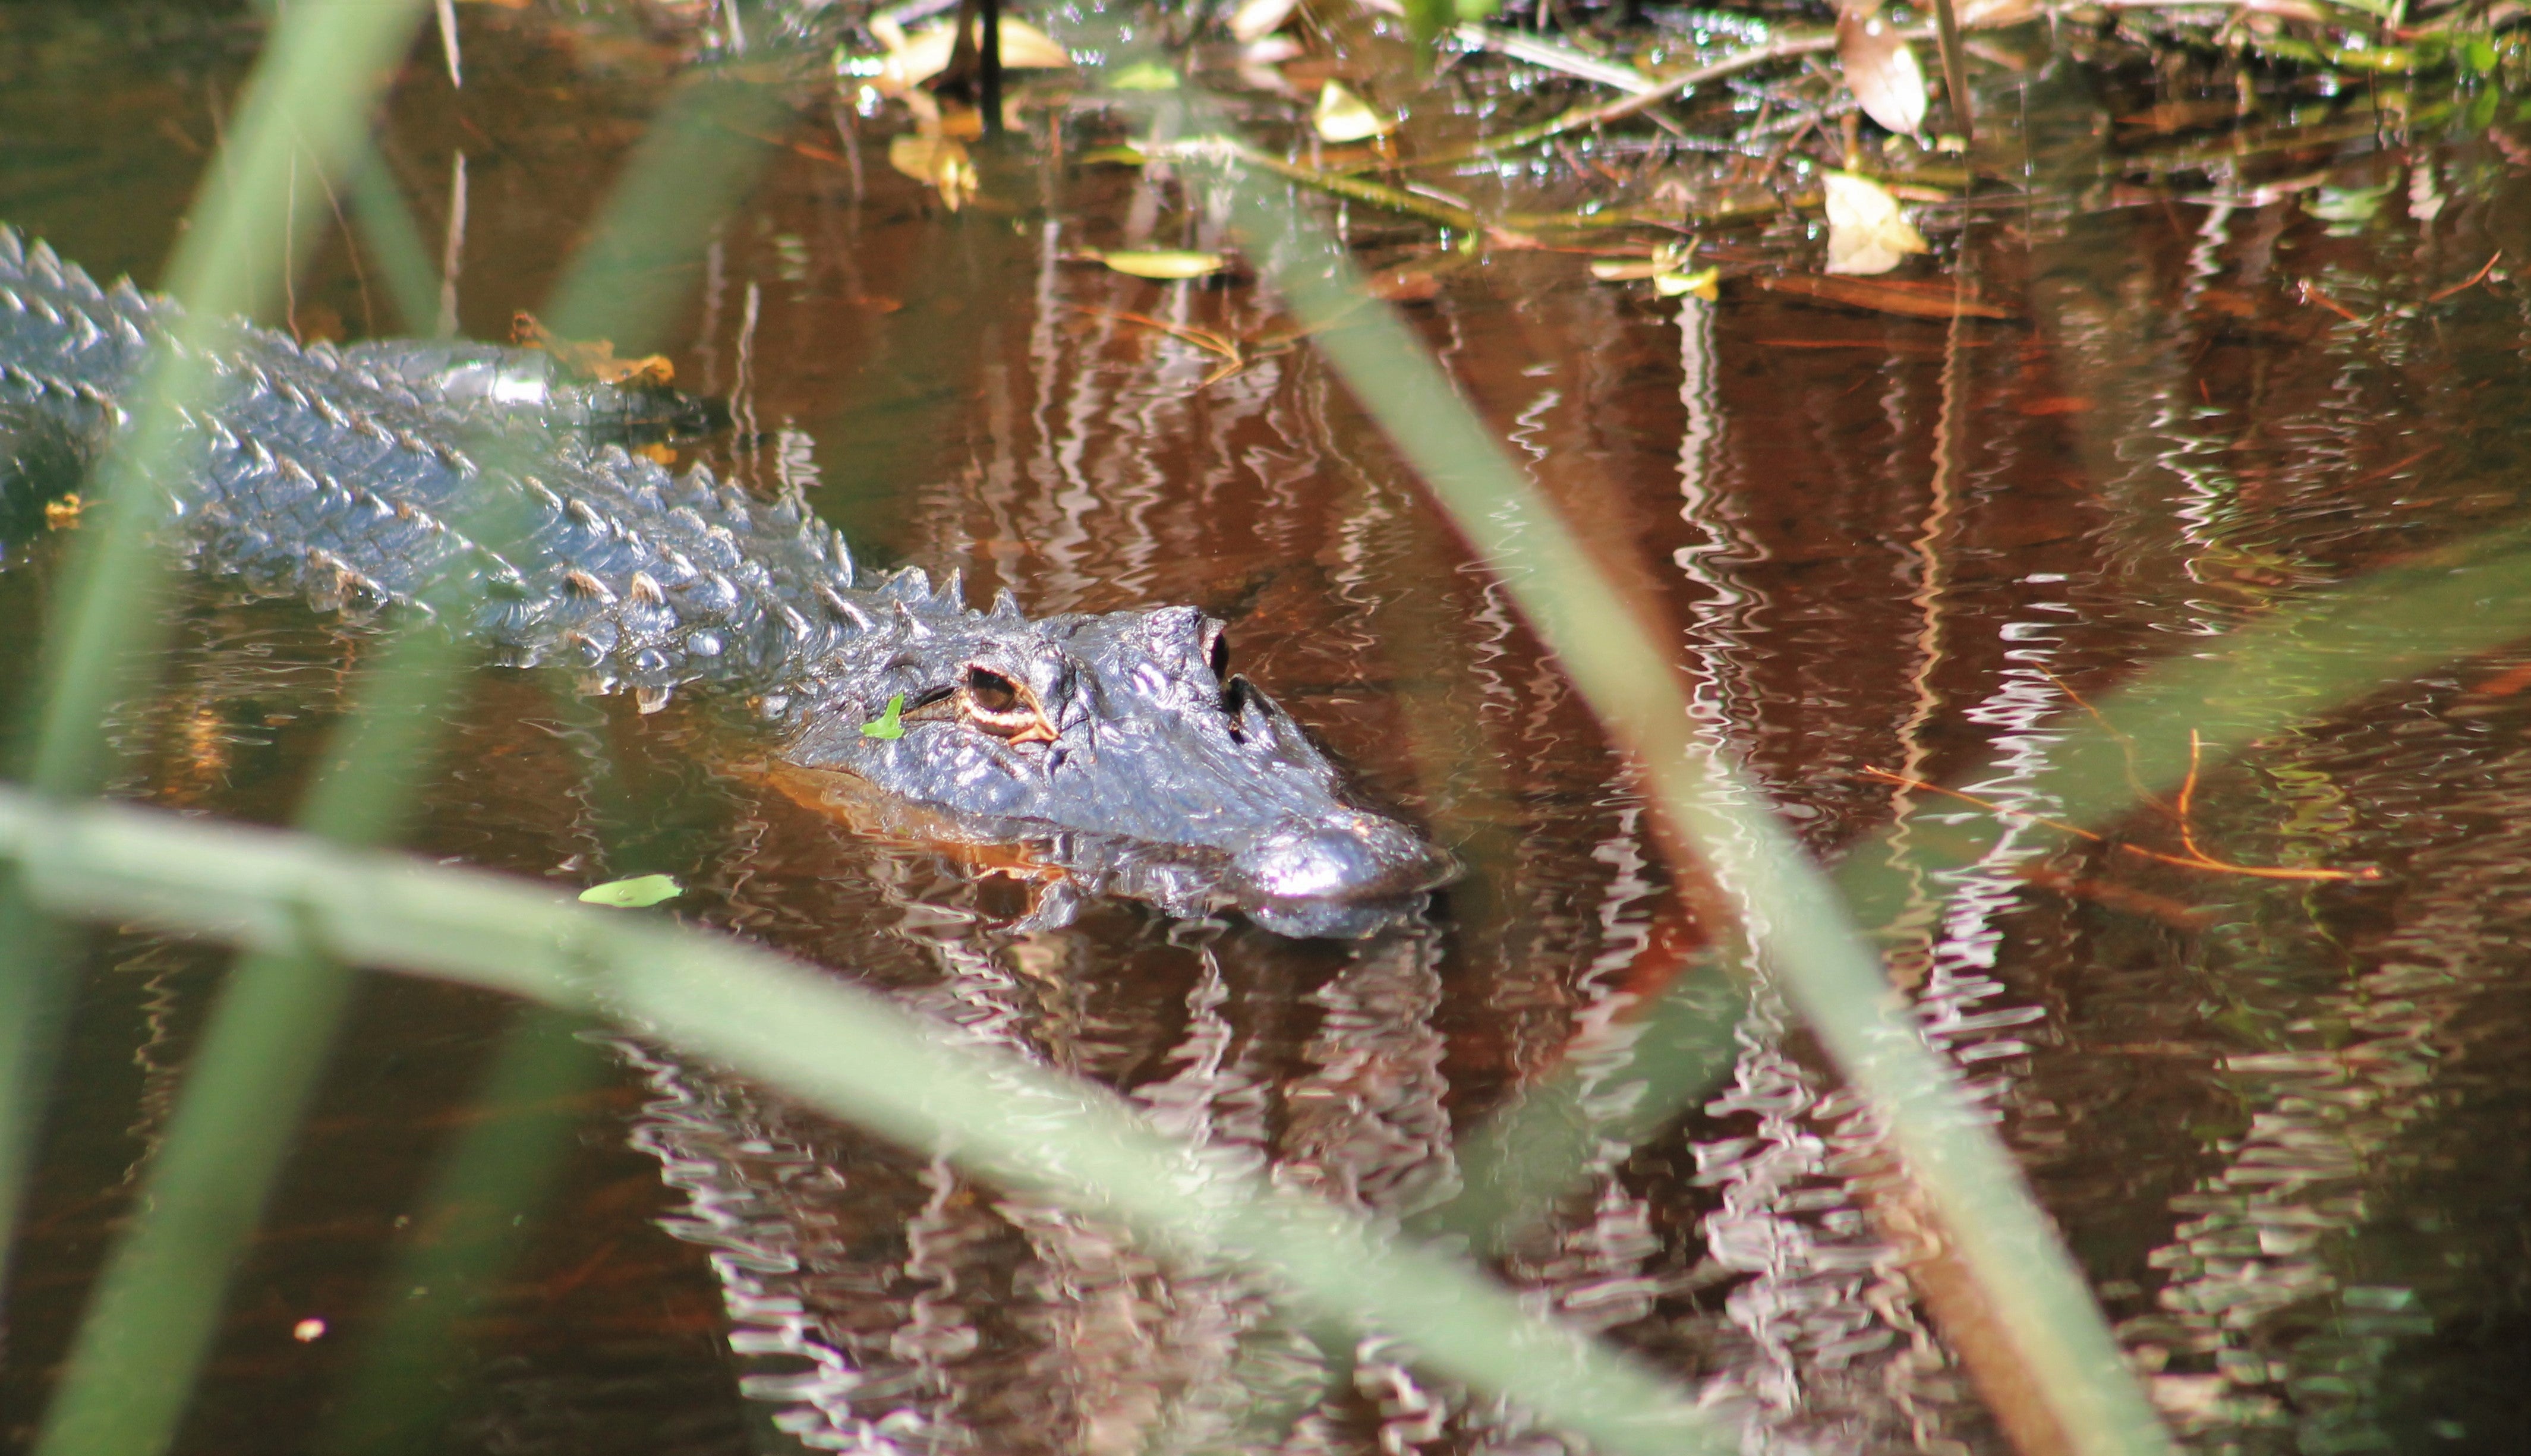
point(2281, 1123)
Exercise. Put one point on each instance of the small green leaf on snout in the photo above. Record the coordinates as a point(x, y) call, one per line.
point(634, 893)
point(889, 724)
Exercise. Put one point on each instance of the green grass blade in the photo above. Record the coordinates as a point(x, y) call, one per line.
point(1795, 921)
point(1518, 1163)
point(36, 992)
point(306, 104)
point(468, 1228)
point(386, 227)
point(853, 1053)
point(2303, 659)
point(310, 94)
point(149, 1323)
point(701, 154)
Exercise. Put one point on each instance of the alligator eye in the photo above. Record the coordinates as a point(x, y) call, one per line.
point(1219, 654)
point(1003, 707)
point(991, 692)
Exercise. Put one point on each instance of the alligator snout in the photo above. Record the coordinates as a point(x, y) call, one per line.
point(1352, 858)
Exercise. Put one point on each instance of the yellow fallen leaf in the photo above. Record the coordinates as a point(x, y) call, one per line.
point(1866, 232)
point(591, 358)
point(1705, 283)
point(1345, 117)
point(1666, 268)
point(1623, 269)
point(911, 60)
point(1163, 264)
point(1255, 18)
point(941, 161)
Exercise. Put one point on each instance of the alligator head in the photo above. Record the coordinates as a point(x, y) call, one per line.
point(1120, 746)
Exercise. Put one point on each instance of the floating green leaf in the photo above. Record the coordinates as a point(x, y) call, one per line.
point(2347, 203)
point(635, 893)
point(889, 724)
point(1143, 76)
point(1164, 264)
point(1343, 115)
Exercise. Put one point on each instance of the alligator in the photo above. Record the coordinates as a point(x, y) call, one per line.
point(1119, 750)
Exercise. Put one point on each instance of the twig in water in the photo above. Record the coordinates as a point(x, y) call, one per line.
point(1236, 353)
point(2195, 859)
point(2473, 281)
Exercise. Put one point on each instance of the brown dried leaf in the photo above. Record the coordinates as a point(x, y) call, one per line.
point(1404, 283)
point(1911, 300)
point(590, 359)
point(1883, 71)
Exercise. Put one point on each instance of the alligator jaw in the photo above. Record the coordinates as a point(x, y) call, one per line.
point(1165, 780)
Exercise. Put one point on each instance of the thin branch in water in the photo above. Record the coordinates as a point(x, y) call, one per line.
point(2196, 859)
point(2117, 735)
point(1234, 353)
point(2311, 294)
point(2473, 280)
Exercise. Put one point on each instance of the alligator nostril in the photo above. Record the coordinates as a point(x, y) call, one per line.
point(1360, 858)
point(1235, 694)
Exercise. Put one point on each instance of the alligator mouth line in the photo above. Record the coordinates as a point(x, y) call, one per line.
point(1050, 863)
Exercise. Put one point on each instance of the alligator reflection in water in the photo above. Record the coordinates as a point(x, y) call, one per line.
point(888, 1304)
point(451, 481)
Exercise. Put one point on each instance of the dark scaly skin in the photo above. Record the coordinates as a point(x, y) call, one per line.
point(451, 479)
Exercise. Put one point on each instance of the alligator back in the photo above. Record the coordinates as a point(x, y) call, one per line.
point(442, 477)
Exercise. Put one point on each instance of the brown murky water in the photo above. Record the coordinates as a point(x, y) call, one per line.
point(2284, 1125)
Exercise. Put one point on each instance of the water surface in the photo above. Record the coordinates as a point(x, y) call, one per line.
point(2281, 1122)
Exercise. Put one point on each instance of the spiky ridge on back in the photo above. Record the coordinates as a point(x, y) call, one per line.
point(327, 473)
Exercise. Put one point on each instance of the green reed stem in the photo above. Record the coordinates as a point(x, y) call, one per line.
point(1796, 924)
point(322, 70)
point(853, 1053)
point(310, 91)
point(468, 1228)
point(157, 1306)
point(387, 228)
point(701, 154)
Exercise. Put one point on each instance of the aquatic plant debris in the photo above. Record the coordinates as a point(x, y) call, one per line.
point(1163, 264)
point(1880, 68)
point(2194, 857)
point(889, 724)
point(1667, 270)
point(1867, 233)
point(591, 358)
point(635, 893)
point(1343, 116)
